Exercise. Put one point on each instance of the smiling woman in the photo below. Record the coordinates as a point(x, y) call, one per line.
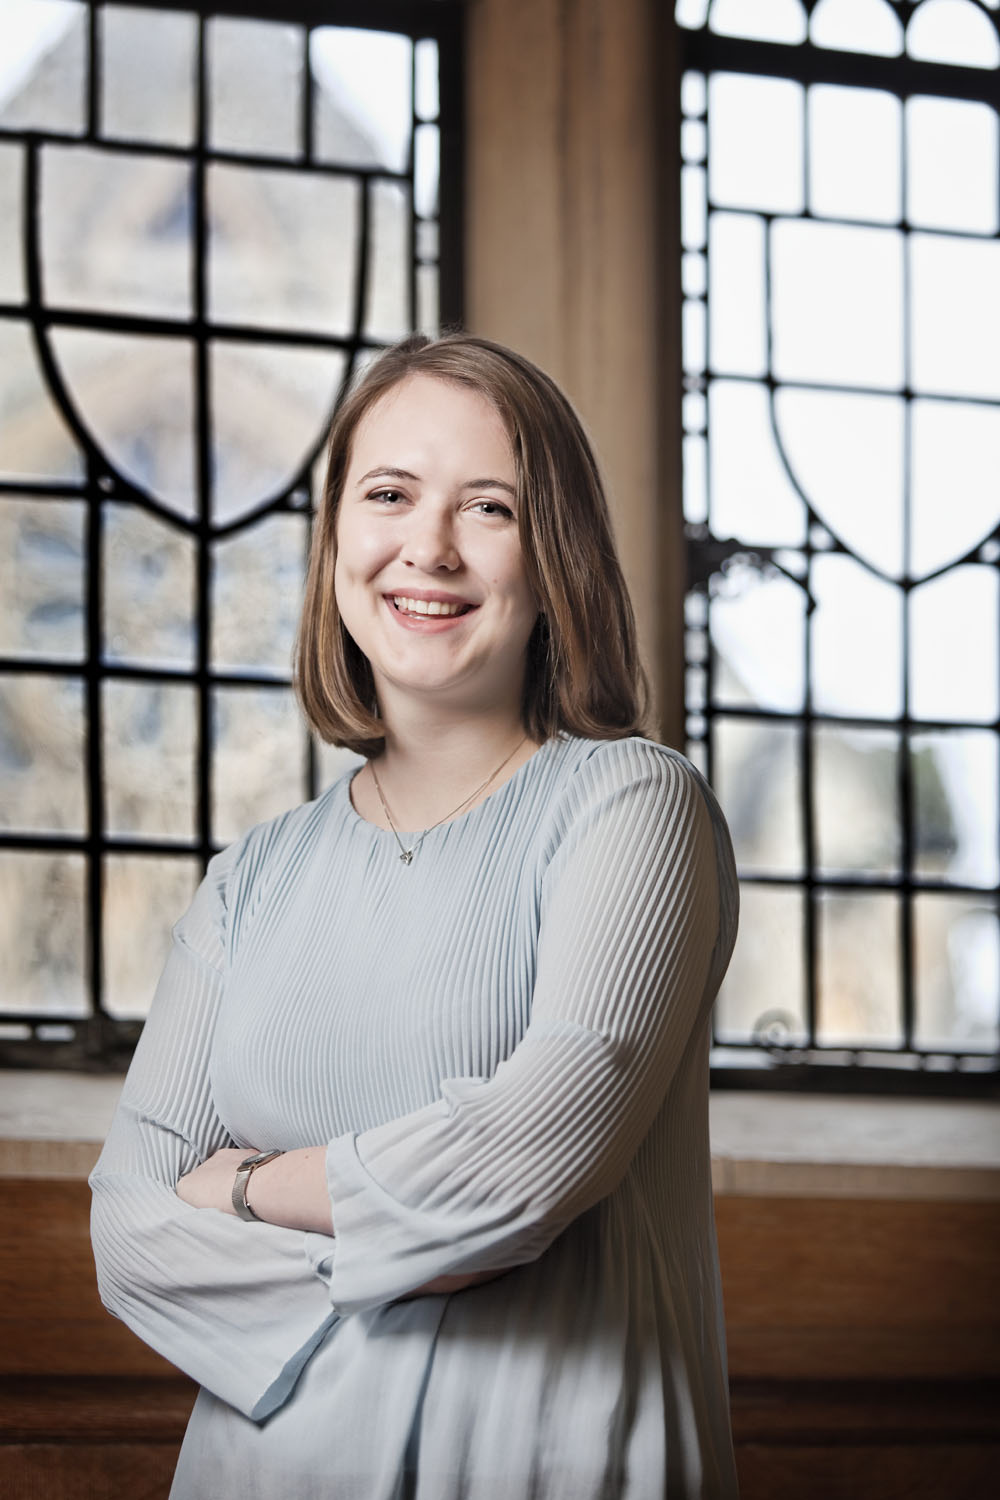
point(413, 1154)
point(430, 579)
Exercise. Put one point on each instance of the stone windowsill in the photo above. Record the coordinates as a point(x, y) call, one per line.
point(52, 1124)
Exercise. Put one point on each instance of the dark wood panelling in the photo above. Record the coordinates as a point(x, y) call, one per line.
point(52, 1321)
point(927, 1472)
point(864, 1349)
point(860, 1289)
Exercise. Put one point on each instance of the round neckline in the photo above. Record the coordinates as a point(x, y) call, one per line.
point(421, 833)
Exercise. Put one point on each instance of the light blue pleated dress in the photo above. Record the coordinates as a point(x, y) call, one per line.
point(505, 1046)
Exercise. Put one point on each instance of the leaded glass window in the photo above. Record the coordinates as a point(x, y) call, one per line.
point(841, 267)
point(210, 217)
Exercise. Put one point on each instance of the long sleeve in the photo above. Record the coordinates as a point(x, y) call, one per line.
point(637, 919)
point(237, 1306)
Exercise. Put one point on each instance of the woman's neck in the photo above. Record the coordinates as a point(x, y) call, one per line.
point(429, 764)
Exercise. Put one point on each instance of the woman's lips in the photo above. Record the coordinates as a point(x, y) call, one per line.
point(428, 614)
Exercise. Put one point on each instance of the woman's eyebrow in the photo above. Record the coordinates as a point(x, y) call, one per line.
point(490, 484)
point(387, 472)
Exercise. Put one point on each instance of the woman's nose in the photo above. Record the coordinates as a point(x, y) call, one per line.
point(429, 543)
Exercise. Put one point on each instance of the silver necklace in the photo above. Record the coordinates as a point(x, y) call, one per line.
point(406, 855)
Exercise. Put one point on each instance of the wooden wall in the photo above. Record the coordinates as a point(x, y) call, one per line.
point(864, 1342)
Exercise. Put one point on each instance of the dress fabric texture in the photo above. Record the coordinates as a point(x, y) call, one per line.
point(505, 1046)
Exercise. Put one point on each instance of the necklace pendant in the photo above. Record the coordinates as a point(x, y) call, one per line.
point(407, 856)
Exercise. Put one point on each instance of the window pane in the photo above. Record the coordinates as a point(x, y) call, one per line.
point(855, 787)
point(41, 754)
point(255, 73)
point(956, 817)
point(298, 268)
point(764, 985)
point(425, 63)
point(271, 407)
point(693, 337)
point(857, 641)
point(952, 31)
point(42, 922)
point(143, 897)
point(752, 496)
point(426, 170)
point(149, 754)
point(148, 589)
point(855, 152)
point(34, 439)
point(694, 93)
point(758, 781)
point(41, 578)
point(755, 126)
point(838, 308)
point(103, 260)
point(695, 480)
point(428, 319)
point(136, 395)
point(694, 281)
point(364, 100)
point(956, 315)
point(951, 164)
point(955, 453)
point(856, 26)
point(148, 71)
point(260, 758)
point(758, 631)
point(764, 20)
point(12, 287)
point(387, 312)
point(257, 592)
point(859, 981)
point(48, 41)
point(737, 329)
point(958, 973)
point(846, 452)
point(693, 208)
point(953, 630)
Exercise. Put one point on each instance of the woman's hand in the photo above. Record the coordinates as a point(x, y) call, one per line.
point(294, 1194)
point(210, 1185)
point(290, 1190)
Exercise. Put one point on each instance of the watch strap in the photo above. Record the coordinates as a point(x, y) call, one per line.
point(244, 1172)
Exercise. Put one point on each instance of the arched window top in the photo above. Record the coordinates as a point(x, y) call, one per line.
point(961, 33)
point(954, 31)
point(857, 26)
point(763, 20)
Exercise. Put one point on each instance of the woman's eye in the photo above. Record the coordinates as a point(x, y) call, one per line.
point(386, 497)
point(494, 508)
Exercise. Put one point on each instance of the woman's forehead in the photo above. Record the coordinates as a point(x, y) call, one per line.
point(439, 418)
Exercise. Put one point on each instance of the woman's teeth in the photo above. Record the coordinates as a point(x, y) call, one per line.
point(426, 606)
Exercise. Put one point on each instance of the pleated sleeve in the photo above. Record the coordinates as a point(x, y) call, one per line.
point(236, 1306)
point(632, 945)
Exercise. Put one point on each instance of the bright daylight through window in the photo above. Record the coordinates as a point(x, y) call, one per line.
point(206, 223)
point(842, 441)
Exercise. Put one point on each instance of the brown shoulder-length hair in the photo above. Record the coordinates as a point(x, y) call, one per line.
point(583, 672)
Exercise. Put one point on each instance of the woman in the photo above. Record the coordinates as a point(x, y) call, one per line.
point(411, 1169)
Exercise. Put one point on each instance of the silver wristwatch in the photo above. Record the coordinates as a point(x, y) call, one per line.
point(244, 1172)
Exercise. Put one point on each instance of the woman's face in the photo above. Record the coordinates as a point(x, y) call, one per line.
point(430, 580)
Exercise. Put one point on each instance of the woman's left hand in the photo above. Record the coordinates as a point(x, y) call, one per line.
point(210, 1185)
